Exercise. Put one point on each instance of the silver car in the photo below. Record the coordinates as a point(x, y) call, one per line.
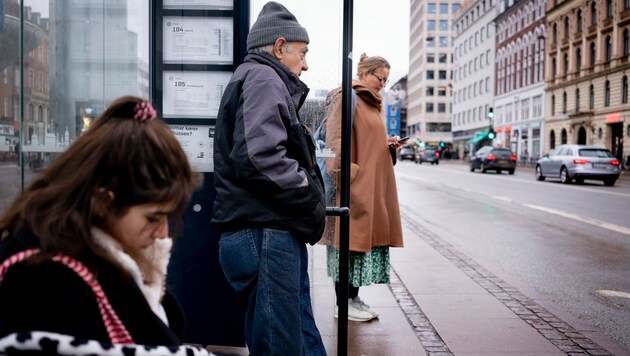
point(579, 162)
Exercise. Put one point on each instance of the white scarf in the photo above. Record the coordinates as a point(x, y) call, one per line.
point(159, 253)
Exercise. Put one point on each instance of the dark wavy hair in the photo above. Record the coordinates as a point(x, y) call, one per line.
point(140, 162)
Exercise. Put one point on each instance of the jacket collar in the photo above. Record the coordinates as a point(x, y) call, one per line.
point(297, 88)
point(368, 95)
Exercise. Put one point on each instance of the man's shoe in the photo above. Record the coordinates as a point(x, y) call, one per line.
point(358, 303)
point(355, 314)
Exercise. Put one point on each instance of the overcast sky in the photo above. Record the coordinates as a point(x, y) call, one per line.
point(380, 28)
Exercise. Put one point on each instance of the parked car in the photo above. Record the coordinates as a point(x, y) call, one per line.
point(579, 162)
point(428, 155)
point(407, 152)
point(496, 159)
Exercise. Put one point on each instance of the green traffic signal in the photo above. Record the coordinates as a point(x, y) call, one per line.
point(492, 135)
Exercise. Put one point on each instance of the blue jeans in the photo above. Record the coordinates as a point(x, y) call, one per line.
point(268, 268)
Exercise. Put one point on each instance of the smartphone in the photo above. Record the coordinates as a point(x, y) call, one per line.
point(403, 139)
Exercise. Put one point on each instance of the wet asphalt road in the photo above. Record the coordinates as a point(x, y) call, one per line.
point(569, 243)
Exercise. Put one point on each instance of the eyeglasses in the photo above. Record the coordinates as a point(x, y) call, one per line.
point(381, 79)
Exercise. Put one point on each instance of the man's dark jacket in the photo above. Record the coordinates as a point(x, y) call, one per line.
point(265, 172)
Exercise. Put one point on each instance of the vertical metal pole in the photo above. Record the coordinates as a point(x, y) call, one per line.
point(344, 223)
point(21, 139)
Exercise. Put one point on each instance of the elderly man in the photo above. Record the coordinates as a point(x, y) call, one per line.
point(270, 193)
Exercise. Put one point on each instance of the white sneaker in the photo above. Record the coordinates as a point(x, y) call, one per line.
point(358, 303)
point(354, 313)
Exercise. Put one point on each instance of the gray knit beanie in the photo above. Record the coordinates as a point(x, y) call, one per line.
point(275, 21)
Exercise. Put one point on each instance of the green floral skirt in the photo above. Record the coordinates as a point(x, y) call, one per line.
point(366, 268)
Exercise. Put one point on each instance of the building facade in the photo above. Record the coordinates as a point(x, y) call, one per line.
point(430, 71)
point(588, 44)
point(519, 71)
point(473, 77)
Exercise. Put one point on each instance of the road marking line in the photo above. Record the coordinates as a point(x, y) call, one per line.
point(612, 293)
point(505, 199)
point(599, 223)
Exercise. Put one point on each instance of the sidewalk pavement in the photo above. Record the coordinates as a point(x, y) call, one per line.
point(442, 303)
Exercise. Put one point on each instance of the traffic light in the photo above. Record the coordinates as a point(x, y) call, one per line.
point(492, 134)
point(490, 113)
point(442, 144)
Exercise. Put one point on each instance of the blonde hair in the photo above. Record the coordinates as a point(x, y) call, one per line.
point(369, 64)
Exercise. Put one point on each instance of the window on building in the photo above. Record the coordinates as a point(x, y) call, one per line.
point(626, 4)
point(593, 14)
point(607, 93)
point(441, 107)
point(579, 21)
point(431, 25)
point(553, 105)
point(609, 8)
point(564, 102)
point(442, 74)
point(443, 25)
point(537, 106)
point(430, 91)
point(626, 41)
point(591, 97)
point(592, 55)
point(566, 27)
point(430, 74)
point(443, 8)
point(443, 42)
point(430, 58)
point(430, 41)
point(608, 48)
point(552, 140)
point(577, 100)
point(429, 107)
point(563, 137)
point(455, 7)
point(553, 68)
point(624, 89)
point(525, 109)
point(442, 57)
point(554, 33)
point(578, 60)
point(566, 64)
point(441, 91)
point(431, 8)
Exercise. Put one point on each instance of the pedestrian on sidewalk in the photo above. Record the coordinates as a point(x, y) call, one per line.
point(375, 223)
point(84, 249)
point(270, 194)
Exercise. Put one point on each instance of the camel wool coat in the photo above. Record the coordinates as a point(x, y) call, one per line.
point(374, 212)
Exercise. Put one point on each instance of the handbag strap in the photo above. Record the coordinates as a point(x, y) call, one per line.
point(118, 334)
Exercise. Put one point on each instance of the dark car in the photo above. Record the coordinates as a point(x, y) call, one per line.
point(407, 152)
point(496, 159)
point(579, 162)
point(428, 155)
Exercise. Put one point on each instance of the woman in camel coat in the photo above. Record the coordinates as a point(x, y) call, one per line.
point(374, 213)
